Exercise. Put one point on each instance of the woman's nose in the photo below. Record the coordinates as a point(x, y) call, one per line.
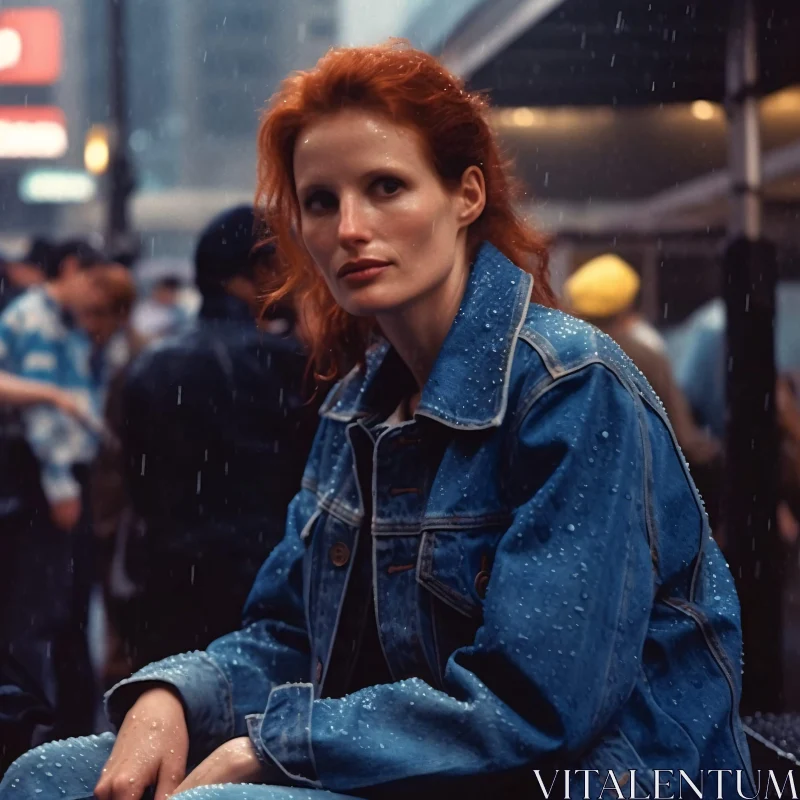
point(353, 220)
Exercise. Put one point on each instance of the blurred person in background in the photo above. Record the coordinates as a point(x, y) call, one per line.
point(162, 313)
point(217, 428)
point(24, 708)
point(604, 292)
point(47, 536)
point(698, 348)
point(17, 276)
point(115, 345)
point(16, 391)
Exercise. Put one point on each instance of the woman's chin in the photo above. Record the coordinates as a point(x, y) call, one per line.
point(370, 304)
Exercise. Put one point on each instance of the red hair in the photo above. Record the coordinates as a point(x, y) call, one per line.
point(415, 90)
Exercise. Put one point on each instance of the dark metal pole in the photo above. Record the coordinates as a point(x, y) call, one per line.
point(751, 452)
point(120, 178)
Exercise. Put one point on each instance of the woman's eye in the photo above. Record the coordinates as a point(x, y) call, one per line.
point(388, 186)
point(318, 202)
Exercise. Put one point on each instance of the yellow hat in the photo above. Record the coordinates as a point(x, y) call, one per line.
point(602, 287)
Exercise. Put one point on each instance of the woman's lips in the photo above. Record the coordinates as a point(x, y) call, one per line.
point(361, 271)
point(364, 274)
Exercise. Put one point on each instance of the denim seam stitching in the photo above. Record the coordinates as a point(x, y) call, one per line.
point(624, 602)
point(721, 659)
point(315, 782)
point(375, 612)
point(545, 350)
point(418, 601)
point(544, 386)
point(339, 607)
point(698, 502)
point(425, 578)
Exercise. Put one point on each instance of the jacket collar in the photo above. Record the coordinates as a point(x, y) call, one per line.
point(468, 386)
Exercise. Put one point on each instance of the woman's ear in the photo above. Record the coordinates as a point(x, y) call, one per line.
point(471, 196)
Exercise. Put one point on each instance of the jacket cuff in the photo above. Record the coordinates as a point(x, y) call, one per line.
point(202, 687)
point(283, 732)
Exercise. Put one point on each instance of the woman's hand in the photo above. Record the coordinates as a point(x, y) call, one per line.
point(234, 762)
point(151, 749)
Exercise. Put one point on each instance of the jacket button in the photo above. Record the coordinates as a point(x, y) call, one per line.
point(319, 671)
point(481, 582)
point(340, 554)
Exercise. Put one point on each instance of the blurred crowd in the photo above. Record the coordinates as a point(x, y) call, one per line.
point(153, 432)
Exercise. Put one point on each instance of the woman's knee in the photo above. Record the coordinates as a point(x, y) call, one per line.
point(61, 769)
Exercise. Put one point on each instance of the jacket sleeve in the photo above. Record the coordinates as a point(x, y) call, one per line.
point(564, 620)
point(233, 677)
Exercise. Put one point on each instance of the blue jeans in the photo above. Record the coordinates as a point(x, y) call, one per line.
point(69, 770)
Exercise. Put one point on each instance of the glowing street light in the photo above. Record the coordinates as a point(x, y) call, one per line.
point(703, 110)
point(96, 151)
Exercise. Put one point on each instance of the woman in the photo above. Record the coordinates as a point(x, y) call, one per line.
point(497, 562)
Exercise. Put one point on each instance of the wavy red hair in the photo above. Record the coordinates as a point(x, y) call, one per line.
point(413, 89)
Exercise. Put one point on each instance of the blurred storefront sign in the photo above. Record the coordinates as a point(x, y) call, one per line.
point(30, 46)
point(32, 132)
point(57, 186)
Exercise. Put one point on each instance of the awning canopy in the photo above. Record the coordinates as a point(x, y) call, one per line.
point(630, 52)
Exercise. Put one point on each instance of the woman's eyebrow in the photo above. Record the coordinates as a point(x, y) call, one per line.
point(365, 177)
point(313, 187)
point(381, 172)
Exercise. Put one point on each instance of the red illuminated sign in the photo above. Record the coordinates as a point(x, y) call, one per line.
point(30, 46)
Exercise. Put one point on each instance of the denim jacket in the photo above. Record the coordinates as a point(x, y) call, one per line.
point(545, 586)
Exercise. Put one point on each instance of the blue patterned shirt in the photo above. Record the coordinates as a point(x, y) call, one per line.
point(38, 341)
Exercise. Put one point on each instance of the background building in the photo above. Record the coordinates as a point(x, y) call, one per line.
point(199, 74)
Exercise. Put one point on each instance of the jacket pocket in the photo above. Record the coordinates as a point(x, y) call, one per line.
point(454, 571)
point(455, 566)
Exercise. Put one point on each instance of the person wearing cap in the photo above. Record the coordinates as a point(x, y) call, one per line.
point(217, 431)
point(604, 292)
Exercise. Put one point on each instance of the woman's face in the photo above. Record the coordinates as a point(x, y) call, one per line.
point(375, 217)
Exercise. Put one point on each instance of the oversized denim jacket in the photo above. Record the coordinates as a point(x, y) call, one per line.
point(545, 586)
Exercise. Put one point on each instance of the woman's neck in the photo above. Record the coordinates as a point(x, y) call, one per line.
point(417, 331)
